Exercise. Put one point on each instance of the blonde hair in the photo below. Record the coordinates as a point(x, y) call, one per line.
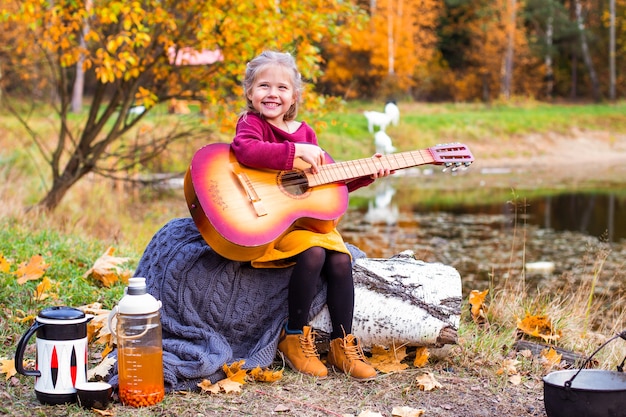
point(273, 58)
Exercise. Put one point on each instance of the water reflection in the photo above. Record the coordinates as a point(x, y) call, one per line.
point(598, 215)
point(601, 215)
point(380, 209)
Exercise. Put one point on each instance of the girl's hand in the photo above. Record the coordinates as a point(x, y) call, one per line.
point(383, 172)
point(311, 154)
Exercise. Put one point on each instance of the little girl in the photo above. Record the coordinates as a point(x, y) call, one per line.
point(268, 136)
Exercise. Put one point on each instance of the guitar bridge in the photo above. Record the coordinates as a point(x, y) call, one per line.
point(253, 197)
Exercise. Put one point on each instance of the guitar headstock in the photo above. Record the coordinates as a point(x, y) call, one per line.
point(452, 155)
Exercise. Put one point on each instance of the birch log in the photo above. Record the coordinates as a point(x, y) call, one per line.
point(402, 301)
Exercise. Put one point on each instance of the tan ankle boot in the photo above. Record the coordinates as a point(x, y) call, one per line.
point(300, 353)
point(346, 355)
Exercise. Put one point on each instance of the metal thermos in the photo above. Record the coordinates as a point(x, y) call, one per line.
point(61, 358)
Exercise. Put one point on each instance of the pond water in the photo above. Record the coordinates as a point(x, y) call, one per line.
point(571, 232)
point(602, 215)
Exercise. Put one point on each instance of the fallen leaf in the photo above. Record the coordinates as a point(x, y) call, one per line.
point(43, 288)
point(235, 373)
point(538, 326)
point(102, 369)
point(266, 375)
point(5, 265)
point(105, 413)
point(388, 360)
point(7, 366)
point(369, 413)
point(229, 386)
point(235, 378)
point(406, 412)
point(427, 382)
point(515, 379)
point(478, 308)
point(421, 357)
point(106, 269)
point(207, 386)
point(509, 367)
point(31, 270)
point(550, 358)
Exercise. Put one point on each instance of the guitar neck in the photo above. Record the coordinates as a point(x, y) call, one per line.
point(348, 170)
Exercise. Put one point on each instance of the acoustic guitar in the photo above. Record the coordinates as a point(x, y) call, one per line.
point(240, 211)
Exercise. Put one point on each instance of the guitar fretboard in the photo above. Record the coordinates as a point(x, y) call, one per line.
point(343, 171)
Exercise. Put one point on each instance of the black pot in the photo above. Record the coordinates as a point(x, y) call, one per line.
point(592, 393)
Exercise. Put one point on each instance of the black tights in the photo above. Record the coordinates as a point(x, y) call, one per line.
point(336, 268)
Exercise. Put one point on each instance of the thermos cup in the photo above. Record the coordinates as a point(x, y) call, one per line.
point(61, 358)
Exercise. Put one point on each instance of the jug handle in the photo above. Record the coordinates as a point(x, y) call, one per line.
point(112, 315)
point(19, 353)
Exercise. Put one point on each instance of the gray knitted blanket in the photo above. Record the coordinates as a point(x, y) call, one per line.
point(215, 311)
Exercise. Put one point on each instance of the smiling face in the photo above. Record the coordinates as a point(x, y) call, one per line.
point(272, 94)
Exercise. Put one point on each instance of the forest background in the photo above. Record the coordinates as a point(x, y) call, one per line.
point(92, 64)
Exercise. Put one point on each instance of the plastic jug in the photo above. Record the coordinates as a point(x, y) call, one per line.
point(139, 345)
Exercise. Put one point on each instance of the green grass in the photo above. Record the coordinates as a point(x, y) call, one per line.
point(424, 125)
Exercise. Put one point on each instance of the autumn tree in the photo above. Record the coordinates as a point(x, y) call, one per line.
point(137, 56)
point(387, 53)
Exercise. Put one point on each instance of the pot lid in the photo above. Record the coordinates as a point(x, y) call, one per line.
point(61, 313)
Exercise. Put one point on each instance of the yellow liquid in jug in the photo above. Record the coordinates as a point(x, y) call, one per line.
point(140, 376)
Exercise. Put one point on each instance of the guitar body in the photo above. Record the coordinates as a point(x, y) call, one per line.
point(241, 211)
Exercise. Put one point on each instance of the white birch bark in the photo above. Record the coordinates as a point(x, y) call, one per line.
point(595, 85)
point(403, 301)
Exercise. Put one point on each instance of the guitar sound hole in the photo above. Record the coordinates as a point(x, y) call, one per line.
point(293, 183)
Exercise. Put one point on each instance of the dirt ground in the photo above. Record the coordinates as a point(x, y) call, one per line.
point(579, 157)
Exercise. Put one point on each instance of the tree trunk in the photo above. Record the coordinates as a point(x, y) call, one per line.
point(390, 39)
point(507, 80)
point(402, 301)
point(612, 50)
point(548, 59)
point(61, 184)
point(595, 84)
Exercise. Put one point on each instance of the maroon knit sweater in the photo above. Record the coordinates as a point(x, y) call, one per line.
point(259, 144)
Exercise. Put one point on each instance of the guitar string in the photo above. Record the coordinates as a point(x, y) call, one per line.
point(352, 169)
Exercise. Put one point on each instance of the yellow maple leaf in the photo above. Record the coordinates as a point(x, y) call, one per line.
point(421, 357)
point(7, 366)
point(234, 372)
point(207, 386)
point(228, 385)
point(225, 385)
point(538, 326)
point(31, 270)
point(427, 382)
point(98, 330)
point(388, 360)
point(107, 269)
point(5, 265)
point(550, 358)
point(478, 308)
point(43, 288)
point(265, 375)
